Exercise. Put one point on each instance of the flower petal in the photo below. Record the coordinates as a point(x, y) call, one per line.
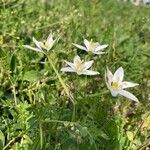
point(101, 47)
point(128, 95)
point(76, 60)
point(118, 75)
point(37, 43)
point(108, 85)
point(70, 64)
point(126, 84)
point(88, 64)
point(50, 41)
point(109, 76)
point(67, 69)
point(98, 52)
point(32, 48)
point(90, 72)
point(80, 47)
point(114, 93)
point(86, 43)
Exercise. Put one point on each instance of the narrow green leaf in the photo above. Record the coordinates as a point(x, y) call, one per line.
point(2, 139)
point(12, 63)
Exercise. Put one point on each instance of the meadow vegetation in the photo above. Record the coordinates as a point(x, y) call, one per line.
point(36, 111)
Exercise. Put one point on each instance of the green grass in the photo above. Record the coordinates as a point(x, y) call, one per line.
point(36, 113)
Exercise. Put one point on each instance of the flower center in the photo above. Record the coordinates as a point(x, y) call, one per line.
point(79, 66)
point(93, 46)
point(114, 85)
point(45, 45)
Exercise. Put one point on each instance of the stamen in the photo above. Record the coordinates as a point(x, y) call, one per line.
point(79, 64)
point(114, 84)
point(93, 46)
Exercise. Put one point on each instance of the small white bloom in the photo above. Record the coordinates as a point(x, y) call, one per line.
point(146, 2)
point(41, 46)
point(140, 2)
point(116, 85)
point(79, 67)
point(93, 47)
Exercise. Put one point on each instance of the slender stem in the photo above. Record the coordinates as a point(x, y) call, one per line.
point(14, 93)
point(74, 113)
point(55, 121)
point(12, 141)
point(63, 84)
point(3, 4)
point(58, 75)
point(30, 96)
point(41, 135)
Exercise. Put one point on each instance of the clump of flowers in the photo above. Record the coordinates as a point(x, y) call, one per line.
point(114, 82)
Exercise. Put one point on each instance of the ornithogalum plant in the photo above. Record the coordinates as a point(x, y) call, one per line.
point(45, 48)
point(116, 85)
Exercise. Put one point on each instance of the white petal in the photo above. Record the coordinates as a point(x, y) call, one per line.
point(90, 72)
point(37, 43)
point(118, 75)
point(41, 45)
point(128, 95)
point(77, 59)
point(100, 47)
point(50, 46)
point(80, 47)
point(109, 76)
point(114, 93)
point(98, 52)
point(67, 69)
point(126, 84)
point(87, 43)
point(32, 48)
point(108, 85)
point(70, 64)
point(50, 41)
point(88, 64)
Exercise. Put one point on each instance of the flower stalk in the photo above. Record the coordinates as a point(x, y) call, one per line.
point(63, 85)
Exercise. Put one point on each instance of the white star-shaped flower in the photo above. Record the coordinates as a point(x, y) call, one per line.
point(42, 46)
point(79, 66)
point(93, 47)
point(116, 85)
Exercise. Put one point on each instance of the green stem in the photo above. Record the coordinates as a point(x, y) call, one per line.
point(3, 4)
point(15, 98)
point(55, 121)
point(63, 84)
point(41, 135)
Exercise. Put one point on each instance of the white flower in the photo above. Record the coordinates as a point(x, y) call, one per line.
point(41, 46)
point(138, 2)
point(79, 67)
point(146, 2)
point(93, 47)
point(116, 85)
